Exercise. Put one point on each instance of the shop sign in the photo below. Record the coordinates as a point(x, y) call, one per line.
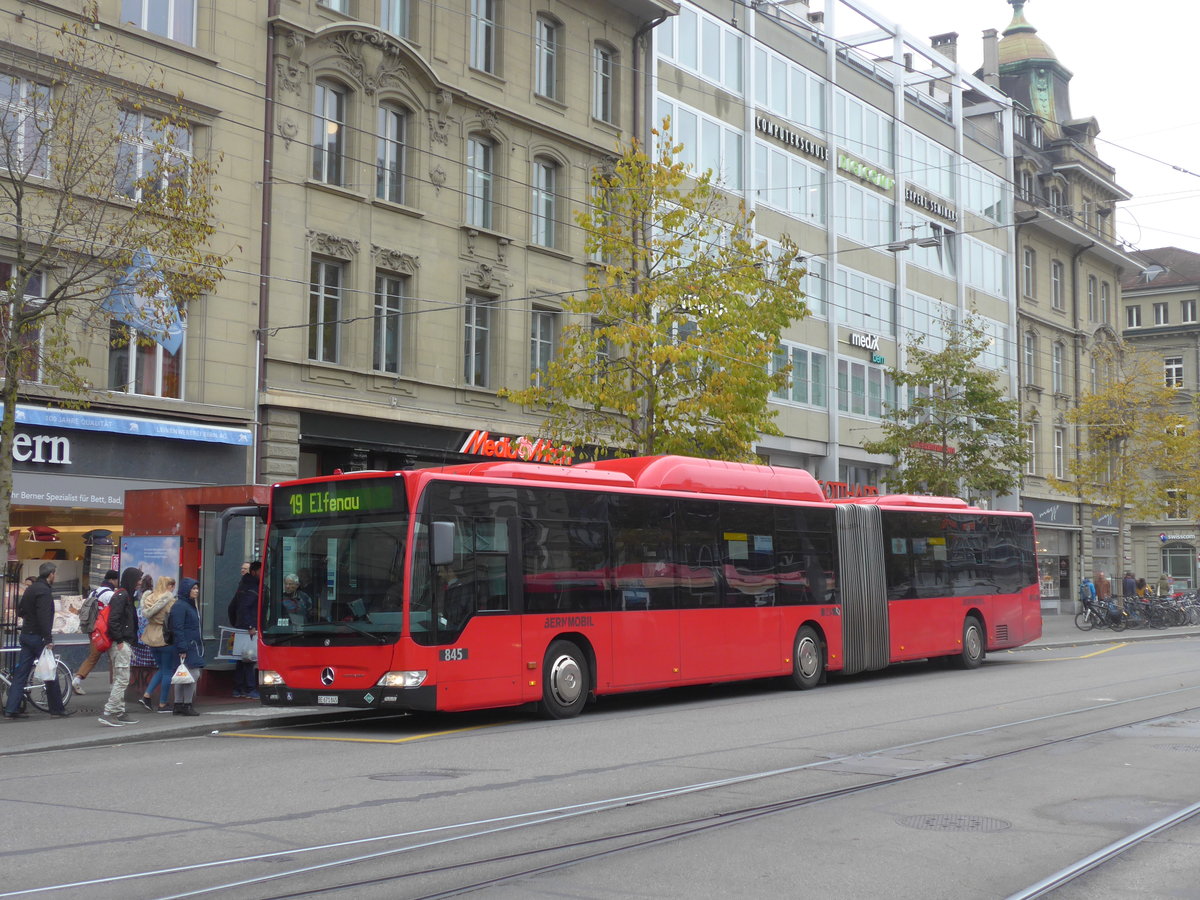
point(481, 443)
point(836, 490)
point(41, 448)
point(930, 205)
point(866, 341)
point(865, 172)
point(1176, 537)
point(1047, 512)
point(791, 138)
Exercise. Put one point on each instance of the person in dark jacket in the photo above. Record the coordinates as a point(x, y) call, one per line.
point(122, 631)
point(37, 614)
point(189, 643)
point(243, 613)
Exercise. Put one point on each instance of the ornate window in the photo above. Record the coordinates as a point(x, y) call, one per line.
point(24, 118)
point(390, 155)
point(480, 158)
point(477, 340)
point(329, 133)
point(325, 309)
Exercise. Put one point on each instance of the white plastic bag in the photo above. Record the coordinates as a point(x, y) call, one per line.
point(182, 676)
point(46, 668)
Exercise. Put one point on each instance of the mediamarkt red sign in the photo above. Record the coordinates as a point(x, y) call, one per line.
point(481, 443)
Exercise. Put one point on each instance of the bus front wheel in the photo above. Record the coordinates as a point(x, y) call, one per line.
point(564, 681)
point(973, 645)
point(808, 660)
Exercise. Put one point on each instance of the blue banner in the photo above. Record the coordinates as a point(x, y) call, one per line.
point(155, 315)
point(82, 420)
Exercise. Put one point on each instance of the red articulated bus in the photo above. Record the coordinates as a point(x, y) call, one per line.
point(505, 583)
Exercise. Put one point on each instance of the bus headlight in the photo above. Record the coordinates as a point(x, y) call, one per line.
point(402, 679)
point(267, 678)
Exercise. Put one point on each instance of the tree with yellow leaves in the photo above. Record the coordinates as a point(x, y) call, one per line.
point(669, 348)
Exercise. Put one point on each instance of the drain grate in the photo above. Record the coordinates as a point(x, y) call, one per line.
point(1182, 748)
point(954, 822)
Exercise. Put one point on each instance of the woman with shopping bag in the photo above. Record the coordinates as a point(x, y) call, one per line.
point(189, 646)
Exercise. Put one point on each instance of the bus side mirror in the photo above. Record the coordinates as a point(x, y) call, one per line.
point(441, 543)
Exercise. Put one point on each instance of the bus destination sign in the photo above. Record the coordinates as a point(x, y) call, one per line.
point(342, 498)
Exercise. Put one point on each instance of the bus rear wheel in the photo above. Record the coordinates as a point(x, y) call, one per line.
point(973, 645)
point(808, 660)
point(564, 681)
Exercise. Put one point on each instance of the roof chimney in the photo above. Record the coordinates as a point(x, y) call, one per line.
point(991, 58)
point(946, 44)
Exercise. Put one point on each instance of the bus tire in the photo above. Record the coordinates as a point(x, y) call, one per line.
point(973, 645)
point(808, 660)
point(565, 681)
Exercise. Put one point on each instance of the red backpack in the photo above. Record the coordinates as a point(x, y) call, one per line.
point(100, 639)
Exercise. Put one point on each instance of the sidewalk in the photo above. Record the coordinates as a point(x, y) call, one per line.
point(41, 732)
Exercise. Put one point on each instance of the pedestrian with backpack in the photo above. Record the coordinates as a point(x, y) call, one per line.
point(89, 614)
point(122, 631)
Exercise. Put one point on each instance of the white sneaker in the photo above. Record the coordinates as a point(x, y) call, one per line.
point(111, 720)
point(77, 686)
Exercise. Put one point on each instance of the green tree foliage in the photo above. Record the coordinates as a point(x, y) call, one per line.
point(1137, 437)
point(957, 433)
point(94, 168)
point(670, 347)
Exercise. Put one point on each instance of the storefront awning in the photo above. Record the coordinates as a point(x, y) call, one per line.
point(83, 420)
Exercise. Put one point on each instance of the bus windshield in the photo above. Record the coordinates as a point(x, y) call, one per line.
point(335, 564)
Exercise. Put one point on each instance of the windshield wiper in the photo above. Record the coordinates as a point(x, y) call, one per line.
point(370, 634)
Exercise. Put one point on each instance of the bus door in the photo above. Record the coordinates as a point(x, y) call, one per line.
point(476, 635)
point(865, 625)
point(645, 621)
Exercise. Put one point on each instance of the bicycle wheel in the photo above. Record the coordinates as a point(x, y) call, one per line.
point(36, 689)
point(1083, 620)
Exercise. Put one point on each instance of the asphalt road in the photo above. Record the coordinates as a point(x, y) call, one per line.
point(916, 782)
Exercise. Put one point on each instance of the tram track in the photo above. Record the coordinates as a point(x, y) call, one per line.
point(551, 856)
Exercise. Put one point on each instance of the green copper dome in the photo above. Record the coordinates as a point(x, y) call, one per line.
point(1021, 42)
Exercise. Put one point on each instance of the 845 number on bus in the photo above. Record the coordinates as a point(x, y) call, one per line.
point(454, 654)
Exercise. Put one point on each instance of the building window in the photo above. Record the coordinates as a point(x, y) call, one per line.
point(1133, 316)
point(393, 17)
point(151, 155)
point(1060, 460)
point(484, 34)
point(1057, 298)
point(479, 182)
point(1105, 309)
point(604, 74)
point(1173, 371)
point(1029, 272)
point(807, 381)
point(1025, 188)
point(324, 310)
point(328, 134)
point(174, 19)
point(477, 337)
point(544, 206)
point(1091, 298)
point(1030, 358)
point(390, 154)
point(1031, 449)
point(1058, 365)
point(390, 291)
point(1177, 504)
point(864, 389)
point(1054, 198)
point(1187, 311)
point(547, 37)
point(543, 332)
point(137, 364)
point(1161, 315)
point(25, 118)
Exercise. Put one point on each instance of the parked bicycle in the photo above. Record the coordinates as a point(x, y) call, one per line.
point(1098, 614)
point(35, 689)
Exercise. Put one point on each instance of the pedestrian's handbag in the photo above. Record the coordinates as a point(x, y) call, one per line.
point(182, 676)
point(100, 638)
point(47, 666)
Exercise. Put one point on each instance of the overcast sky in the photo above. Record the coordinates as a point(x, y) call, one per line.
point(1134, 71)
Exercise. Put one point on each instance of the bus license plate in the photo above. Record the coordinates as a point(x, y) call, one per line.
point(327, 699)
